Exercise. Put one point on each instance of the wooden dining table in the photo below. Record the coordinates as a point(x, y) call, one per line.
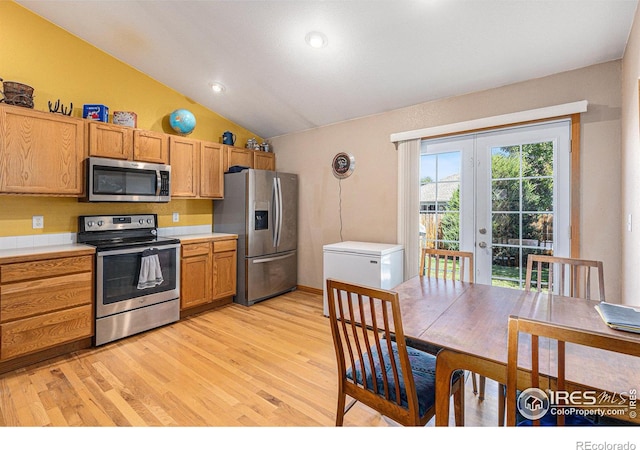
point(473, 319)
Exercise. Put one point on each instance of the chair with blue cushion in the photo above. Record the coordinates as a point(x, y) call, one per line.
point(545, 334)
point(375, 365)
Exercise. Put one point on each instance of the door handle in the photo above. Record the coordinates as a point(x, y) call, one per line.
point(482, 244)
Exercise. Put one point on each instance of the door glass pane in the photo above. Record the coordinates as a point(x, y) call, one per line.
point(440, 200)
point(537, 159)
point(537, 194)
point(521, 208)
point(505, 195)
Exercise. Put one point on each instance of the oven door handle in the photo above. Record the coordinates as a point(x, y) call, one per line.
point(136, 250)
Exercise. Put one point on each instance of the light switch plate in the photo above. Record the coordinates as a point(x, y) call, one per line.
point(176, 217)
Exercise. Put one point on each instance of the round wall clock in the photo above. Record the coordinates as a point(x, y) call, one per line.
point(343, 165)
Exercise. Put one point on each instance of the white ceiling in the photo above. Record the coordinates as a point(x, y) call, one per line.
point(381, 55)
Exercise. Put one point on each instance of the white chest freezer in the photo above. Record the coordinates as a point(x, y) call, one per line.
point(367, 263)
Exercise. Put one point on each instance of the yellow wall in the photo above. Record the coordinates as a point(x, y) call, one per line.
point(60, 66)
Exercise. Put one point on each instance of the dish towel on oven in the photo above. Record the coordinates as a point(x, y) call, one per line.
point(150, 270)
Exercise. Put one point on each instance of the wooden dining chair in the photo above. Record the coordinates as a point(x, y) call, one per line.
point(451, 265)
point(571, 276)
point(447, 264)
point(449, 362)
point(540, 333)
point(375, 366)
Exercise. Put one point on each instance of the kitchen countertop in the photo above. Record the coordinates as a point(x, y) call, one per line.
point(10, 255)
point(202, 237)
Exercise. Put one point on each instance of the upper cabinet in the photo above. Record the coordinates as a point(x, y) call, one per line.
point(211, 170)
point(117, 141)
point(255, 159)
point(41, 153)
point(184, 154)
point(264, 160)
point(110, 141)
point(150, 146)
point(238, 157)
point(196, 168)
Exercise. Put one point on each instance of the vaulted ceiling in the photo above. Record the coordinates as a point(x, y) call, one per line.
point(380, 55)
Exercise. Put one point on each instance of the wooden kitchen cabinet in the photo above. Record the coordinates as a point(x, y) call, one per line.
point(184, 159)
point(150, 146)
point(264, 160)
point(107, 140)
point(195, 275)
point(255, 159)
point(224, 269)
point(207, 274)
point(196, 168)
point(238, 157)
point(45, 303)
point(211, 170)
point(41, 153)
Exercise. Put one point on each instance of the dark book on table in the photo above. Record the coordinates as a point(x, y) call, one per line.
point(620, 317)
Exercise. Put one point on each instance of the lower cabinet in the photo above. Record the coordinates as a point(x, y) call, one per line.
point(195, 274)
point(45, 303)
point(207, 274)
point(224, 269)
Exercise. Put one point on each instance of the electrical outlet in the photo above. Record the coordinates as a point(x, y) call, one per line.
point(37, 222)
point(176, 217)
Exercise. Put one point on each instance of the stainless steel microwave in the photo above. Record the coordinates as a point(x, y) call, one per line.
point(114, 180)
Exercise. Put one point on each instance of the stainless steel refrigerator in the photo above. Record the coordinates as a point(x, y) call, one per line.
point(261, 207)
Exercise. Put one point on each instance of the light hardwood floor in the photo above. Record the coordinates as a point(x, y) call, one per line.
point(271, 364)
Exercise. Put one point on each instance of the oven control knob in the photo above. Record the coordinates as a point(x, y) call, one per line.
point(141, 221)
point(89, 224)
point(100, 223)
point(149, 221)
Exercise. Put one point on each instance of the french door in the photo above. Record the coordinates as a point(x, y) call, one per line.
point(502, 195)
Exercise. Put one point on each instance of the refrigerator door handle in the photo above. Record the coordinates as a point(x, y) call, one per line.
point(276, 212)
point(273, 258)
point(280, 214)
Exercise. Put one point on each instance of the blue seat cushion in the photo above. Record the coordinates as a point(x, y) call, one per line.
point(423, 366)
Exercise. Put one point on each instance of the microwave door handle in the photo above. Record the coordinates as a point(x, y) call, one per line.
point(158, 182)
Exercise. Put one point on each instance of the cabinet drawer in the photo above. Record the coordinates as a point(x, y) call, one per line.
point(224, 246)
point(29, 298)
point(48, 330)
point(10, 273)
point(201, 248)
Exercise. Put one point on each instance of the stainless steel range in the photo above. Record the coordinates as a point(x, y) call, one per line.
point(137, 274)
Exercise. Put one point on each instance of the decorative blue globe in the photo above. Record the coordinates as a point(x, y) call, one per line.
point(182, 121)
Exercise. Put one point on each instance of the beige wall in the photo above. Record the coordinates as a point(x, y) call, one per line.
point(631, 167)
point(369, 196)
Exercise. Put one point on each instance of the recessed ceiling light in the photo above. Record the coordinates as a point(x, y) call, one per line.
point(316, 39)
point(217, 88)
